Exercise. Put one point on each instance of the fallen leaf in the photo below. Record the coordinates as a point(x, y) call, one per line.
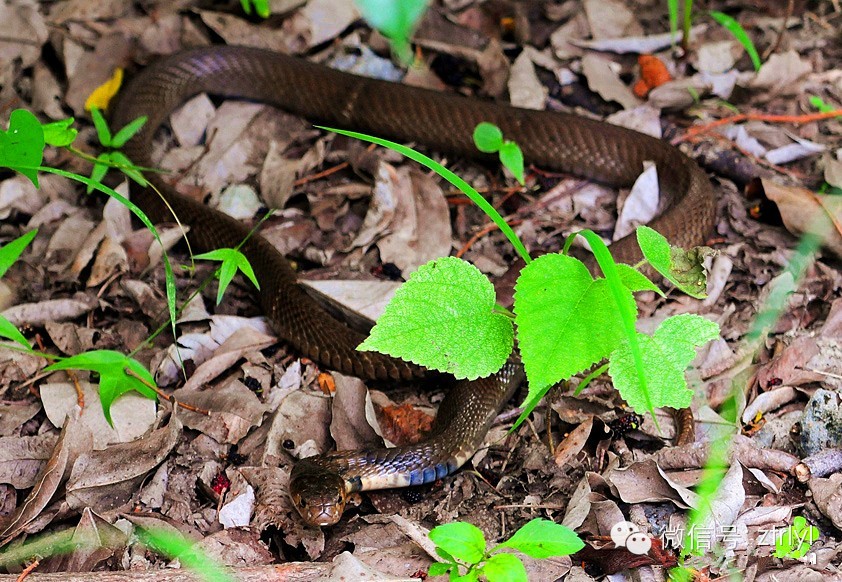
point(805, 211)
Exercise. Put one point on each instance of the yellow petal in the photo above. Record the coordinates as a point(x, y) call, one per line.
point(102, 95)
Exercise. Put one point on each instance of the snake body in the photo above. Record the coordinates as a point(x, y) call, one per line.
point(445, 122)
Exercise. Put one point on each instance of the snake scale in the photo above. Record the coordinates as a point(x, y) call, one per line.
point(442, 121)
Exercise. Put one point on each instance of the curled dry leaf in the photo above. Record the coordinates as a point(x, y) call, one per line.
point(805, 211)
point(40, 313)
point(234, 410)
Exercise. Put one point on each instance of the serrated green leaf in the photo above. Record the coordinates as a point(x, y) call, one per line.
point(439, 569)
point(463, 541)
point(566, 320)
point(684, 269)
point(443, 318)
point(504, 567)
point(542, 538)
point(488, 137)
point(666, 355)
point(59, 133)
point(10, 252)
point(102, 130)
point(9, 331)
point(113, 379)
point(128, 168)
point(511, 157)
point(634, 280)
point(128, 131)
point(22, 146)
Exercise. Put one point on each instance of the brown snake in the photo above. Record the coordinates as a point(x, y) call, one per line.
point(442, 121)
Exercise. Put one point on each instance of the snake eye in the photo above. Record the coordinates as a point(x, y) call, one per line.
point(302, 503)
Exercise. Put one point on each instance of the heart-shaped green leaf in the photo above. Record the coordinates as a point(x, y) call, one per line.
point(22, 147)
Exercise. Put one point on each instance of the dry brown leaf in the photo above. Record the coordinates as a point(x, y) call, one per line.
point(132, 414)
point(52, 310)
point(94, 541)
point(236, 547)
point(525, 90)
point(234, 410)
point(14, 414)
point(190, 120)
point(19, 194)
point(74, 440)
point(611, 19)
point(420, 229)
point(21, 458)
point(348, 426)
point(780, 73)
point(236, 31)
point(603, 80)
point(803, 210)
point(244, 342)
point(106, 479)
point(646, 482)
point(827, 494)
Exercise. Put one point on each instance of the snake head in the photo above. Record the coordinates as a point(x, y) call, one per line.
point(318, 493)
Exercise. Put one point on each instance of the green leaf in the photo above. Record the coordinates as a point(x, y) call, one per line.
point(128, 132)
point(684, 269)
point(736, 29)
point(512, 158)
point(462, 540)
point(443, 318)
point(260, 6)
point(22, 146)
point(566, 320)
point(666, 355)
point(395, 19)
point(128, 168)
point(9, 331)
point(439, 569)
point(59, 133)
point(634, 280)
point(232, 260)
point(542, 538)
point(10, 252)
point(113, 379)
point(504, 567)
point(99, 170)
point(488, 137)
point(102, 131)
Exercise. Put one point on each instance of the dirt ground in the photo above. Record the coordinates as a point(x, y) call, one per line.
point(357, 221)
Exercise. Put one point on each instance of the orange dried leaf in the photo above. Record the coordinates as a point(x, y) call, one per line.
point(653, 73)
point(326, 383)
point(404, 424)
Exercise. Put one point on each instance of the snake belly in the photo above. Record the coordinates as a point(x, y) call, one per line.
point(596, 150)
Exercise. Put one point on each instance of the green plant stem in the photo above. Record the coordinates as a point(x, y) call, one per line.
point(94, 160)
point(202, 286)
point(688, 24)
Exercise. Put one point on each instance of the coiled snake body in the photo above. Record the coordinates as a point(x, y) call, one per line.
point(445, 122)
